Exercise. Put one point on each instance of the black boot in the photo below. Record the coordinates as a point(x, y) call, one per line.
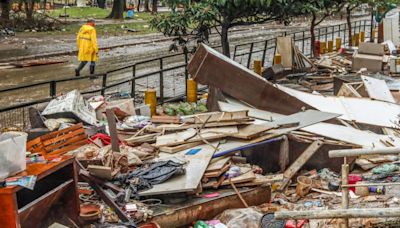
point(91, 70)
point(77, 74)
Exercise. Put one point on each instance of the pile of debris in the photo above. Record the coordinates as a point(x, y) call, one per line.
point(274, 146)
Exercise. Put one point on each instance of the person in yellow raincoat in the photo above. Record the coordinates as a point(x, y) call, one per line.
point(87, 46)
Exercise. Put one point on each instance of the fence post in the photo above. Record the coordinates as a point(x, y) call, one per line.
point(250, 54)
point(161, 81)
point(133, 83)
point(53, 89)
point(234, 53)
point(103, 84)
point(186, 68)
point(264, 53)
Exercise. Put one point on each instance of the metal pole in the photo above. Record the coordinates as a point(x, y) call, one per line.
point(161, 81)
point(53, 89)
point(250, 54)
point(186, 69)
point(345, 191)
point(103, 84)
point(264, 53)
point(133, 85)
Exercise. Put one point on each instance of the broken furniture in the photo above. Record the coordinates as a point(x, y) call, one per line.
point(369, 56)
point(56, 182)
point(59, 142)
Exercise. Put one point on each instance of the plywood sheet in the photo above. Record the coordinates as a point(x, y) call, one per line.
point(190, 135)
point(360, 110)
point(285, 49)
point(195, 168)
point(377, 89)
point(350, 135)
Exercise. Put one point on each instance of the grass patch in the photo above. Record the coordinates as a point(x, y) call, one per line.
point(140, 23)
point(94, 12)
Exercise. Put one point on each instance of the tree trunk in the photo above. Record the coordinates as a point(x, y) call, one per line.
point(154, 6)
point(372, 23)
point(138, 6)
point(225, 41)
point(312, 33)
point(117, 11)
point(5, 10)
point(101, 4)
point(350, 31)
point(29, 4)
point(146, 6)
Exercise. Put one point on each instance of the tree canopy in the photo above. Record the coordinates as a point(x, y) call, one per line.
point(196, 19)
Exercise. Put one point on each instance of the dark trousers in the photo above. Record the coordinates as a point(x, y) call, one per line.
point(83, 64)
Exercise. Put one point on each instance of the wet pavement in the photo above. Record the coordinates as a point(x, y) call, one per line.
point(147, 47)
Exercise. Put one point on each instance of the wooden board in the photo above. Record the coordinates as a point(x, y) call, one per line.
point(217, 163)
point(217, 173)
point(246, 177)
point(299, 162)
point(174, 149)
point(377, 89)
point(348, 91)
point(216, 117)
point(187, 136)
point(360, 110)
point(197, 165)
point(285, 49)
point(261, 180)
point(351, 135)
point(250, 131)
point(59, 142)
point(180, 127)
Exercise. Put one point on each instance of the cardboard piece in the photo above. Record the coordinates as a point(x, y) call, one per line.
point(71, 105)
point(369, 56)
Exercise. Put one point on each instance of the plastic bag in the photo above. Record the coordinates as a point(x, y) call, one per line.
point(239, 218)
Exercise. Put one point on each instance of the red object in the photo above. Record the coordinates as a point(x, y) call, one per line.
point(292, 224)
point(317, 46)
point(211, 195)
point(105, 139)
point(353, 179)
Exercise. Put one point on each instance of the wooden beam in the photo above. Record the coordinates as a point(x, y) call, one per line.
point(358, 152)
point(300, 161)
point(339, 213)
point(112, 128)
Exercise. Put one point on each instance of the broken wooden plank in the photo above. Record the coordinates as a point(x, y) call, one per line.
point(195, 168)
point(211, 117)
point(209, 67)
point(103, 172)
point(112, 128)
point(174, 149)
point(253, 130)
point(300, 161)
point(184, 126)
point(359, 110)
point(377, 89)
point(246, 177)
point(191, 135)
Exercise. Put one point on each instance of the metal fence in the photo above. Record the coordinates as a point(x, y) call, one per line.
point(265, 50)
point(167, 78)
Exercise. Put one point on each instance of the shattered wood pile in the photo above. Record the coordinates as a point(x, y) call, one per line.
point(185, 165)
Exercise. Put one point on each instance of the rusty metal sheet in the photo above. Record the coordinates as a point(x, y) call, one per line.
point(211, 68)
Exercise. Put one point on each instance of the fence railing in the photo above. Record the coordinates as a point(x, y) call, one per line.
point(171, 70)
point(265, 50)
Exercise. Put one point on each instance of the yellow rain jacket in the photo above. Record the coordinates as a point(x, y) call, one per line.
point(87, 44)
